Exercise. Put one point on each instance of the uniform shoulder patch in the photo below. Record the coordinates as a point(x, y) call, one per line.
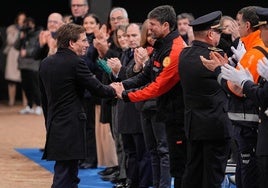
point(166, 61)
point(215, 49)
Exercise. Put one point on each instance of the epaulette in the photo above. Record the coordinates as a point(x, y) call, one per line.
point(214, 49)
point(187, 46)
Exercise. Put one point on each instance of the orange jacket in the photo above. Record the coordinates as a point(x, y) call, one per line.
point(167, 78)
point(250, 59)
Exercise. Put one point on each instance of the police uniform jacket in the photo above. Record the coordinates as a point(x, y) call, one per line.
point(160, 79)
point(205, 101)
point(63, 79)
point(259, 94)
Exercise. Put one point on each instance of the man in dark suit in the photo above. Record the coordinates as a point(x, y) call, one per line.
point(64, 77)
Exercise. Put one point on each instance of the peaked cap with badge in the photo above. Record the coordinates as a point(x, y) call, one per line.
point(208, 21)
point(263, 16)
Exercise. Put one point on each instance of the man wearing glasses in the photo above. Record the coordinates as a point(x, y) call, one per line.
point(79, 9)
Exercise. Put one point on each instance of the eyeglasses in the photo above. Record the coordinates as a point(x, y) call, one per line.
point(53, 22)
point(117, 18)
point(78, 5)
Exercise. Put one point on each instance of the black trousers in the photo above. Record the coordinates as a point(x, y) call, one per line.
point(206, 163)
point(263, 166)
point(156, 143)
point(30, 85)
point(247, 173)
point(66, 174)
point(138, 161)
point(89, 105)
point(177, 149)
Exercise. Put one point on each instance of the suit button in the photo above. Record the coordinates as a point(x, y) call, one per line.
point(259, 120)
point(259, 108)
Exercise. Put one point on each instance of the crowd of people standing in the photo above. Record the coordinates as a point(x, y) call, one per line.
point(174, 97)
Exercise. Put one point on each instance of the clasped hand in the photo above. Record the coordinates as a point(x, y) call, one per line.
point(119, 88)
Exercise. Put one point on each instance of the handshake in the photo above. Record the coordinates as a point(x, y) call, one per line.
point(119, 88)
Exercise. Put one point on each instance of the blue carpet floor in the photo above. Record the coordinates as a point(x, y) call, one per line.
point(89, 177)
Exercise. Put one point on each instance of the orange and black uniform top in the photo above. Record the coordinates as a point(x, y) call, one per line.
point(250, 58)
point(159, 78)
point(242, 110)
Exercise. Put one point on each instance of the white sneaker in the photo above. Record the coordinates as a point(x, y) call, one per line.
point(38, 110)
point(27, 110)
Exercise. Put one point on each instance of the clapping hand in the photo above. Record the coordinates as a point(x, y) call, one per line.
point(236, 76)
point(233, 29)
point(140, 57)
point(239, 51)
point(216, 59)
point(262, 67)
point(101, 40)
point(114, 64)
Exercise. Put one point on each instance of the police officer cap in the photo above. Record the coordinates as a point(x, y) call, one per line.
point(208, 21)
point(263, 16)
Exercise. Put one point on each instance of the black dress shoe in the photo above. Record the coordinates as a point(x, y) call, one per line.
point(87, 165)
point(124, 184)
point(111, 177)
point(108, 170)
point(118, 180)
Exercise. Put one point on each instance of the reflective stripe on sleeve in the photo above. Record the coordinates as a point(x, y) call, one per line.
point(243, 117)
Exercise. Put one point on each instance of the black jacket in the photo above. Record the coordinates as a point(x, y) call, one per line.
point(259, 94)
point(205, 101)
point(160, 79)
point(63, 79)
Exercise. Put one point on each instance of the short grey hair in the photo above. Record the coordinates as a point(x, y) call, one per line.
point(85, 1)
point(119, 9)
point(185, 15)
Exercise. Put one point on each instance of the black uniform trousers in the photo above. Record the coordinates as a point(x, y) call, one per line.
point(246, 175)
point(208, 158)
point(263, 167)
point(66, 174)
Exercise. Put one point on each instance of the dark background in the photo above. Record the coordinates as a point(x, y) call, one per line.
point(137, 10)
